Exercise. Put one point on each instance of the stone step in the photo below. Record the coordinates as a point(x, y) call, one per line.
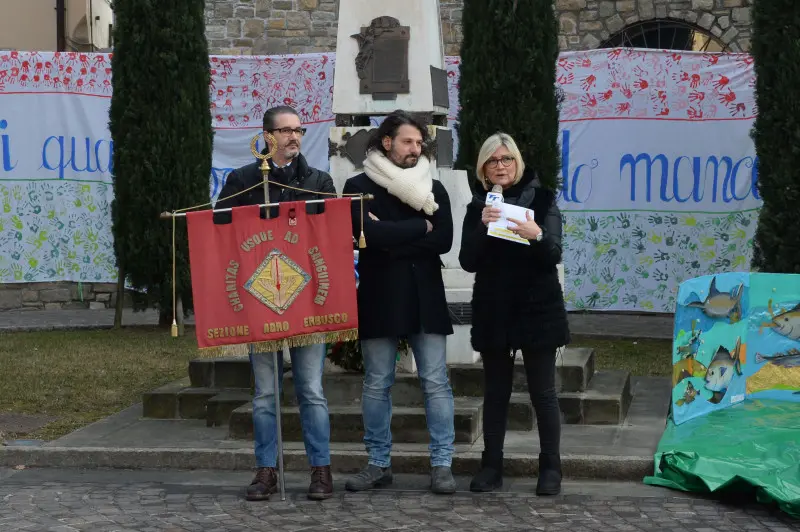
point(162, 403)
point(192, 402)
point(520, 413)
point(178, 400)
point(408, 423)
point(575, 367)
point(605, 401)
point(227, 372)
point(220, 407)
point(343, 388)
point(224, 372)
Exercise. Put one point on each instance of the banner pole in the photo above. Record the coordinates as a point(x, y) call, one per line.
point(169, 215)
point(279, 432)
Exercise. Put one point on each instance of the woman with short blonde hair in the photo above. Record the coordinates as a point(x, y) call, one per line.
point(491, 145)
point(517, 305)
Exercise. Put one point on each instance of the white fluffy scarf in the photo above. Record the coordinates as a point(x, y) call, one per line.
point(412, 186)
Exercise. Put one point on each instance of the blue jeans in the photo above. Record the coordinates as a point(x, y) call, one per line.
point(379, 369)
point(307, 365)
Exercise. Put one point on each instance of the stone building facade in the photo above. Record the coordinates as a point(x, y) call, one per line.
point(300, 26)
point(265, 27)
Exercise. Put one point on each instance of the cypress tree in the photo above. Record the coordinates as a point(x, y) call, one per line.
point(507, 83)
point(160, 123)
point(776, 50)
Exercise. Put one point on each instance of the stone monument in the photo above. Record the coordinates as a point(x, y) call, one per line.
point(389, 55)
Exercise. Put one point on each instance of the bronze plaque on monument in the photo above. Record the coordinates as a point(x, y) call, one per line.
point(382, 60)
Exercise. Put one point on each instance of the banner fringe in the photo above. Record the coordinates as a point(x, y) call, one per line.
point(302, 340)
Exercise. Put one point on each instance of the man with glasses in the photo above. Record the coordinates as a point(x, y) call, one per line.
point(288, 167)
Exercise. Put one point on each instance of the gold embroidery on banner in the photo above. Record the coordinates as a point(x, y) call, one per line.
point(323, 279)
point(301, 340)
point(328, 319)
point(277, 282)
point(228, 332)
point(263, 237)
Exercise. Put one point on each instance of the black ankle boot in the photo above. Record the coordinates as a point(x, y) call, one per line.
point(490, 477)
point(549, 482)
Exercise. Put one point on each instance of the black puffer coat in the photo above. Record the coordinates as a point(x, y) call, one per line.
point(517, 301)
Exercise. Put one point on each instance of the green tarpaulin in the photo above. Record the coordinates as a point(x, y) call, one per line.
point(752, 446)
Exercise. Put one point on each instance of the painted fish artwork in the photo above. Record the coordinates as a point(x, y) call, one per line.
point(789, 359)
point(724, 366)
point(786, 323)
point(721, 304)
point(689, 349)
point(719, 320)
point(688, 367)
point(688, 396)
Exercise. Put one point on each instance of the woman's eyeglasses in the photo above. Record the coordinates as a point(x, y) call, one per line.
point(505, 160)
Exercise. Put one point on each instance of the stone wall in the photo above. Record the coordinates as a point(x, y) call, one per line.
point(585, 24)
point(264, 27)
point(302, 26)
point(56, 296)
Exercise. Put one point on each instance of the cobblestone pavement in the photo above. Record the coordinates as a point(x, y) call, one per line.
point(63, 500)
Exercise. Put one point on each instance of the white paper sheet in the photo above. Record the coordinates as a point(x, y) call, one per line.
point(500, 228)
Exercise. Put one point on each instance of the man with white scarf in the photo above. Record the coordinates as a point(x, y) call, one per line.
point(401, 293)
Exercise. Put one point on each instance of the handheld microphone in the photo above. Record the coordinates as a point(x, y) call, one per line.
point(495, 197)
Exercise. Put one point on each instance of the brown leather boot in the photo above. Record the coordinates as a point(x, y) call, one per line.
point(264, 484)
point(321, 486)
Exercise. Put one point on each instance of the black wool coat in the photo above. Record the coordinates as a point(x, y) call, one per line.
point(517, 301)
point(401, 291)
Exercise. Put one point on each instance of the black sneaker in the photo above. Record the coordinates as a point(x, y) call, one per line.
point(370, 477)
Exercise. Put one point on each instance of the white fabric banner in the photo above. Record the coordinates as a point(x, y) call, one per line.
point(658, 168)
point(658, 171)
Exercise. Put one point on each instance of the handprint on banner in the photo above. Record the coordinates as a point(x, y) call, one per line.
point(721, 82)
point(695, 114)
point(589, 100)
point(739, 109)
point(727, 97)
point(565, 79)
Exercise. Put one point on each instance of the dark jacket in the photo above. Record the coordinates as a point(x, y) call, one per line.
point(297, 175)
point(517, 301)
point(401, 291)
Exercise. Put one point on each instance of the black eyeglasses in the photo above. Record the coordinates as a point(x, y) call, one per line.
point(288, 131)
point(505, 160)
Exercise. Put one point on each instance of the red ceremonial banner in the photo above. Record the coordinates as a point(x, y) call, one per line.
point(266, 281)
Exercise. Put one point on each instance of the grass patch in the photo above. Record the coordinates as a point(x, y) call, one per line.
point(83, 376)
point(644, 358)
